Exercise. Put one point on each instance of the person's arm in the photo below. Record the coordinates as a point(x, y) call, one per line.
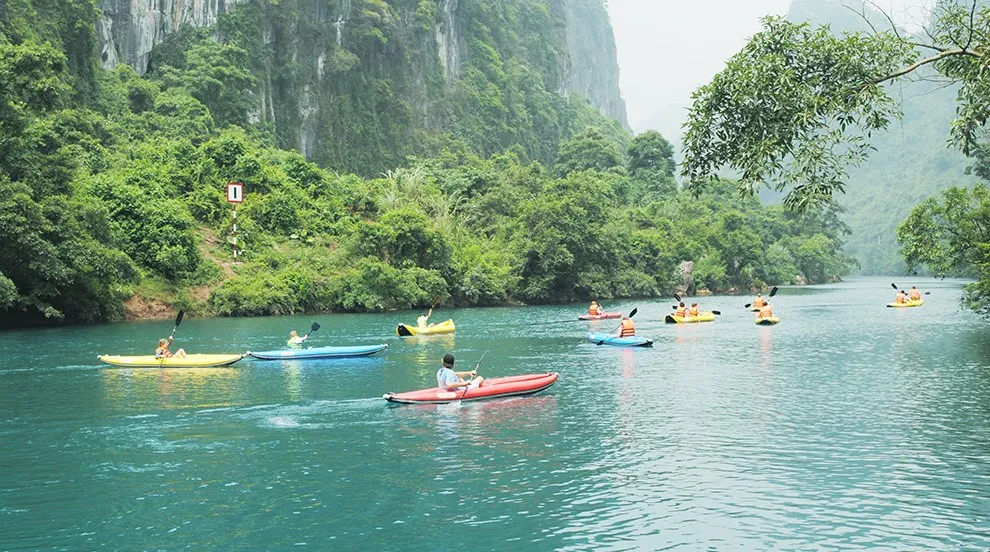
point(470, 374)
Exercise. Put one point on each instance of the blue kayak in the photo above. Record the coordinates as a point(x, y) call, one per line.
point(319, 352)
point(606, 339)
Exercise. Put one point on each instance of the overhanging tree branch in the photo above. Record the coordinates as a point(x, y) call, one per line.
point(926, 61)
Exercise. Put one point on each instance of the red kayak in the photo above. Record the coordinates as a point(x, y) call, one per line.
point(490, 389)
point(601, 316)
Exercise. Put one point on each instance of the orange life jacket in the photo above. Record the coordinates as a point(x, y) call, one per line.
point(693, 311)
point(915, 295)
point(759, 302)
point(766, 312)
point(681, 312)
point(628, 328)
point(594, 309)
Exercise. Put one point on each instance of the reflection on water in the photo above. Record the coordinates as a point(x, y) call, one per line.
point(168, 387)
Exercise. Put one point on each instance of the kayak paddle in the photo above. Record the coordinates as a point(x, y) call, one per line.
point(178, 320)
point(476, 366)
point(631, 314)
point(893, 285)
point(313, 328)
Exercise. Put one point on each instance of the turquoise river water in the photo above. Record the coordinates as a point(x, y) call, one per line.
point(848, 425)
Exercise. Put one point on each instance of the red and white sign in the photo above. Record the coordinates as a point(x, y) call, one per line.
point(235, 192)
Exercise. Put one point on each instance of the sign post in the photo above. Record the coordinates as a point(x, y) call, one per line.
point(235, 195)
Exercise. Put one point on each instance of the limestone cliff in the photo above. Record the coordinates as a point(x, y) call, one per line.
point(359, 84)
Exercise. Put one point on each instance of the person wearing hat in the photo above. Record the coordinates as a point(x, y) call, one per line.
point(448, 379)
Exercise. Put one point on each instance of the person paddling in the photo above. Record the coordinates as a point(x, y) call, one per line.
point(759, 302)
point(163, 350)
point(765, 312)
point(681, 311)
point(295, 340)
point(595, 309)
point(901, 297)
point(627, 328)
point(448, 379)
point(915, 295)
point(422, 321)
point(693, 311)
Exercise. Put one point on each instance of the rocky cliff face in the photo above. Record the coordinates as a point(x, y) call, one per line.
point(594, 69)
point(130, 29)
point(342, 79)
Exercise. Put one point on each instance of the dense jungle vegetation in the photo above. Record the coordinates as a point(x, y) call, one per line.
point(111, 194)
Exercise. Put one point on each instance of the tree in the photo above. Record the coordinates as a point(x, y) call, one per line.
point(589, 149)
point(953, 235)
point(651, 167)
point(219, 76)
point(797, 105)
point(651, 151)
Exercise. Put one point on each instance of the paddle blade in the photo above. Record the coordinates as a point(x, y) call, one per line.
point(633, 313)
point(893, 285)
point(476, 366)
point(717, 313)
point(773, 291)
point(678, 297)
point(178, 318)
point(314, 327)
point(747, 305)
point(928, 293)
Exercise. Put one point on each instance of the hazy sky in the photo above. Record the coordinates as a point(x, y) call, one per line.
point(667, 48)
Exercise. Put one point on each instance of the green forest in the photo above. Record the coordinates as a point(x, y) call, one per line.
point(112, 188)
point(801, 106)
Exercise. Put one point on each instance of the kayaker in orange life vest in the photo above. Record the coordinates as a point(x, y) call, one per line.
point(759, 302)
point(681, 311)
point(595, 309)
point(628, 329)
point(901, 298)
point(765, 312)
point(693, 311)
point(915, 295)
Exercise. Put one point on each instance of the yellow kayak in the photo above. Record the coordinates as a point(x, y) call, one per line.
point(404, 330)
point(767, 321)
point(907, 304)
point(703, 317)
point(190, 361)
